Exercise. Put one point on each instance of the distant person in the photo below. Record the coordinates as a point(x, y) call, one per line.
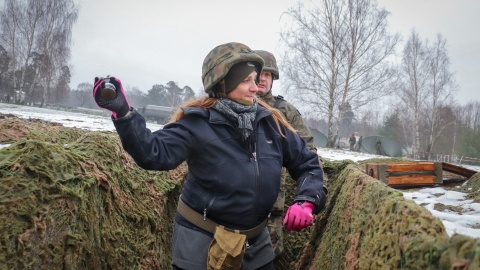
point(428, 153)
point(235, 146)
point(352, 142)
point(358, 146)
point(378, 147)
point(270, 73)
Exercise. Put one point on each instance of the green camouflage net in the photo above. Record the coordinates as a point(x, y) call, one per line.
point(368, 225)
point(73, 199)
point(472, 186)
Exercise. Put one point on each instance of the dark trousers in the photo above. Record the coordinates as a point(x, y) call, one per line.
point(268, 266)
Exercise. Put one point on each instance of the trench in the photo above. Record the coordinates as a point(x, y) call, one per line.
point(73, 199)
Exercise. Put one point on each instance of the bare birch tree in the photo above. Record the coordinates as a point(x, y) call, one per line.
point(440, 89)
point(425, 87)
point(54, 39)
point(17, 39)
point(411, 85)
point(36, 34)
point(337, 53)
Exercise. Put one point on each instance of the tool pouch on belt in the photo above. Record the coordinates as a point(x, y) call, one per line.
point(226, 250)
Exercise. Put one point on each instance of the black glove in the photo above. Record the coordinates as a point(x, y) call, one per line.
point(118, 105)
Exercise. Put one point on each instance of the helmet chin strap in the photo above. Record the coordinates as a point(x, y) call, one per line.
point(218, 91)
point(263, 95)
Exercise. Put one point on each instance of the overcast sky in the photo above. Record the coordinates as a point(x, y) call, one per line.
point(147, 42)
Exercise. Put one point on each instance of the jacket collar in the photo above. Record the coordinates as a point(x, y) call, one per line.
point(268, 97)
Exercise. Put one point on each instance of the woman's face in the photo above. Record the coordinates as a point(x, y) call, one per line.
point(246, 89)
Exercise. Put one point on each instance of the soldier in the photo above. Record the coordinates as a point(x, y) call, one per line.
point(378, 147)
point(352, 141)
point(292, 115)
point(358, 146)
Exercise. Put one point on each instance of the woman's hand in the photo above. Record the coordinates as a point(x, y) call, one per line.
point(299, 216)
point(118, 105)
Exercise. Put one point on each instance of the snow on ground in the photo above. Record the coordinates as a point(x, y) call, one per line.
point(68, 119)
point(466, 221)
point(341, 154)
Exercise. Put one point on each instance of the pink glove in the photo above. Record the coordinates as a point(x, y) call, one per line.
point(118, 105)
point(299, 216)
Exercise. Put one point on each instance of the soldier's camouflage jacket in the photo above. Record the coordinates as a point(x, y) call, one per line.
point(293, 116)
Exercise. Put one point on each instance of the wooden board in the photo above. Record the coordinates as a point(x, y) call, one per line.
point(411, 179)
point(406, 173)
point(458, 170)
point(411, 167)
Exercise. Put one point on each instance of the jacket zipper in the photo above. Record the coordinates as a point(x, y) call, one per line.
point(257, 176)
point(209, 204)
point(255, 162)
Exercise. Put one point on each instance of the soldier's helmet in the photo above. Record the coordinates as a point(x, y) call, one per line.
point(270, 63)
point(219, 61)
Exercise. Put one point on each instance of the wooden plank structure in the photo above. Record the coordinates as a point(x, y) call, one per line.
point(458, 170)
point(407, 174)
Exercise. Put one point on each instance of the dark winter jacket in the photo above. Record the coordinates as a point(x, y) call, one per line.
point(230, 185)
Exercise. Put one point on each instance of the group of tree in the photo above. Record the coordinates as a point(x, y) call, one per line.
point(342, 64)
point(169, 95)
point(454, 133)
point(35, 41)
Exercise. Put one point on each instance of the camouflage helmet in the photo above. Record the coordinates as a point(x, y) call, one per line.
point(219, 61)
point(270, 63)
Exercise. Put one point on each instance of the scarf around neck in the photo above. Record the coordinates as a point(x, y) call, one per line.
point(242, 115)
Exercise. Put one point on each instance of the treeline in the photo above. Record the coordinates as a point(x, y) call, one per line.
point(457, 136)
point(35, 42)
point(169, 95)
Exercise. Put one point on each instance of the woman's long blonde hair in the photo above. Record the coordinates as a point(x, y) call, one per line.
point(209, 102)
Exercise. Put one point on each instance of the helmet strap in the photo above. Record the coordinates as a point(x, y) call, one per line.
point(222, 89)
point(264, 95)
point(218, 91)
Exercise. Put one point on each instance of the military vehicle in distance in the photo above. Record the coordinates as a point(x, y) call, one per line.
point(160, 114)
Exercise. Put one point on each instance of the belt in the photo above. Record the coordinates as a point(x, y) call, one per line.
point(206, 224)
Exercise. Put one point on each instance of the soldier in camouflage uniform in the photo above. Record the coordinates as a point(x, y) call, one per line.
point(293, 116)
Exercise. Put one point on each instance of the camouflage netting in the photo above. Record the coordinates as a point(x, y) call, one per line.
point(73, 199)
point(367, 225)
point(472, 186)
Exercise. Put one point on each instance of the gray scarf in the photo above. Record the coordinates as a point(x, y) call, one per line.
point(242, 115)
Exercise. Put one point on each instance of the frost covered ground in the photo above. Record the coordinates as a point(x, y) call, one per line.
point(466, 220)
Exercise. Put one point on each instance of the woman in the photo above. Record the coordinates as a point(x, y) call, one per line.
point(235, 147)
